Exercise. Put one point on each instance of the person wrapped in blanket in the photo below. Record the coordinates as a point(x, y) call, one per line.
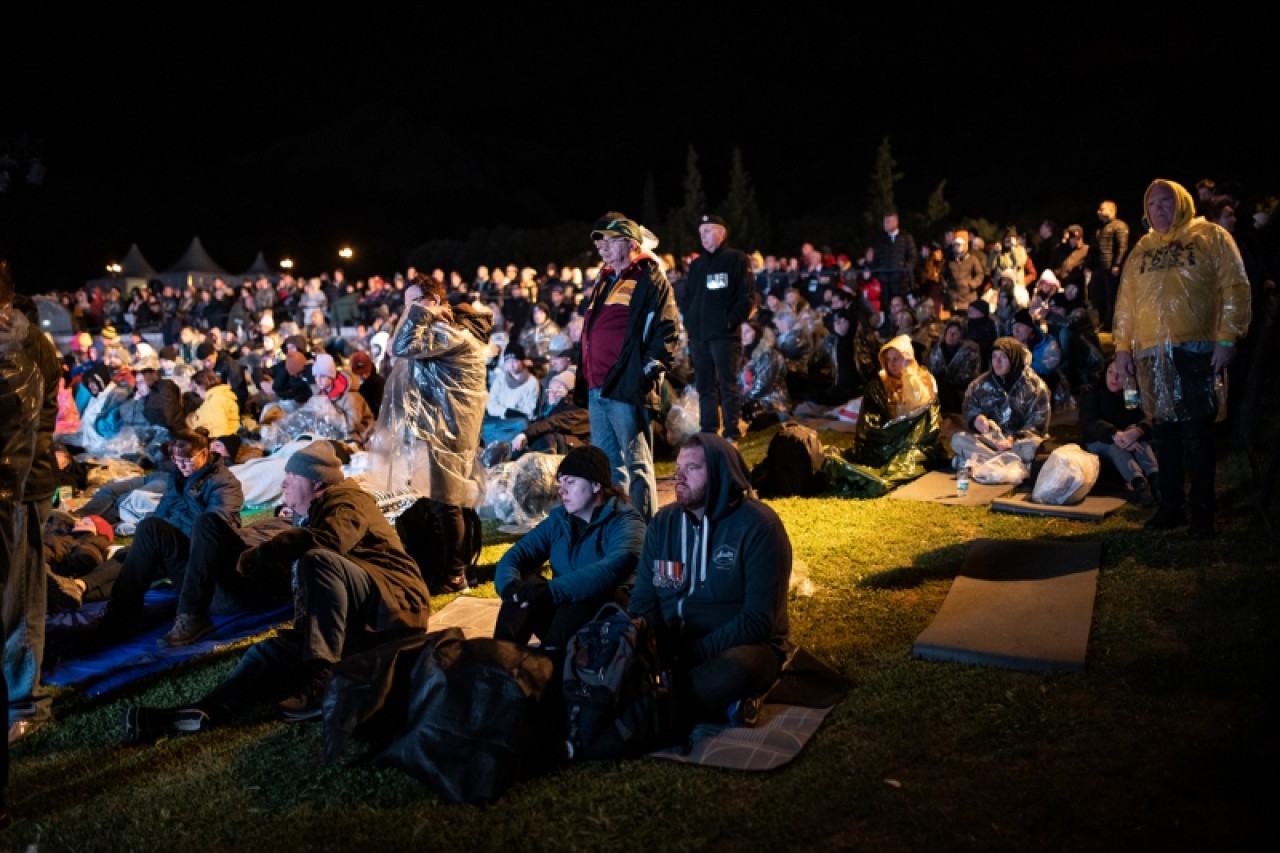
point(765, 400)
point(712, 585)
point(1005, 408)
point(899, 431)
point(355, 588)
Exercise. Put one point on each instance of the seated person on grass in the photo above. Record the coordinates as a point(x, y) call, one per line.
point(899, 431)
point(1005, 408)
point(712, 584)
point(564, 424)
point(592, 541)
point(357, 588)
point(1111, 431)
point(182, 541)
point(513, 398)
point(954, 363)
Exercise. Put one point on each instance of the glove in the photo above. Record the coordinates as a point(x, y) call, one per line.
point(532, 593)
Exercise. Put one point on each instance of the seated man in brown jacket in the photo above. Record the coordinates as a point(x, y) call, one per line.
point(355, 588)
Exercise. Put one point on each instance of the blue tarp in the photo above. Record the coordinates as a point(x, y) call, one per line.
point(97, 671)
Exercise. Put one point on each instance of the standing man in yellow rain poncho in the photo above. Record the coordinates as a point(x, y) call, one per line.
point(1182, 306)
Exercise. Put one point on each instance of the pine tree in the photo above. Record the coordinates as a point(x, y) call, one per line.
point(741, 210)
point(684, 227)
point(880, 192)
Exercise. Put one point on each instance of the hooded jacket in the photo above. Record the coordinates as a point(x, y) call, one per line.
point(588, 561)
point(721, 581)
point(1182, 286)
point(435, 396)
point(900, 420)
point(1018, 402)
point(219, 413)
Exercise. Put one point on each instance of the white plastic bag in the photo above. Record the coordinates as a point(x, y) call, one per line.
point(683, 418)
point(1006, 467)
point(1067, 477)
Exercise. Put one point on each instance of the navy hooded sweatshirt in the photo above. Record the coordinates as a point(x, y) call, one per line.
point(721, 581)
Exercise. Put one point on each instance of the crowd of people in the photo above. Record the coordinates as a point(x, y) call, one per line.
point(435, 374)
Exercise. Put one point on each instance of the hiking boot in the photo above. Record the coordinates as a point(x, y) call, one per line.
point(745, 712)
point(1142, 492)
point(1166, 519)
point(146, 725)
point(65, 594)
point(308, 704)
point(448, 586)
point(187, 628)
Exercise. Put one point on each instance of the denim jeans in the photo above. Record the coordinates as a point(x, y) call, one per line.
point(25, 604)
point(1130, 463)
point(621, 430)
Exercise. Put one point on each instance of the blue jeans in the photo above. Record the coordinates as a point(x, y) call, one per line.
point(1130, 464)
point(25, 605)
point(621, 430)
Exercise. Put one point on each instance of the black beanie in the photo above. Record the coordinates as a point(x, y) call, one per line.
point(1023, 316)
point(588, 462)
point(232, 444)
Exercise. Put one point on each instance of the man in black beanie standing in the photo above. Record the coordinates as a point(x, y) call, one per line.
point(718, 298)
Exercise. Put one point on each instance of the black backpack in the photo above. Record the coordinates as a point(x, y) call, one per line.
point(792, 465)
point(420, 534)
point(614, 704)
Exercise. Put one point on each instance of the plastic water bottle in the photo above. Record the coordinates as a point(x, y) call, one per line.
point(962, 481)
point(1131, 397)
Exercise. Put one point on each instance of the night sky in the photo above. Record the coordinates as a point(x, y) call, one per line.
point(291, 138)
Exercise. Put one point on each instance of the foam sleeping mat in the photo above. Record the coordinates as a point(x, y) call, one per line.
point(1020, 604)
point(940, 487)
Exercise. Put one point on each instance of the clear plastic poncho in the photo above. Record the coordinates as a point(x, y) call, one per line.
point(428, 431)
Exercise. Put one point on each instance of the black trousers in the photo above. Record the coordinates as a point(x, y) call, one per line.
point(716, 365)
point(1186, 448)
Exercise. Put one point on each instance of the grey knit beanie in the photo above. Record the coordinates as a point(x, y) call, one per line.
point(316, 461)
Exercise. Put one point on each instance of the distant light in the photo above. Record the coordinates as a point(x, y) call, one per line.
point(286, 264)
point(346, 253)
point(114, 269)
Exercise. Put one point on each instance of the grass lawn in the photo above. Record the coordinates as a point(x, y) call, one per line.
point(1164, 742)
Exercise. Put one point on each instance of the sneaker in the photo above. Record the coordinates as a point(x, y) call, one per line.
point(448, 586)
point(745, 712)
point(126, 528)
point(65, 594)
point(308, 704)
point(146, 725)
point(187, 628)
point(1166, 519)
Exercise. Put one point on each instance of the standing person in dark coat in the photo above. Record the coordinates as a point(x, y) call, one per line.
point(893, 261)
point(21, 394)
point(981, 329)
point(1106, 259)
point(24, 593)
point(719, 296)
point(629, 335)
